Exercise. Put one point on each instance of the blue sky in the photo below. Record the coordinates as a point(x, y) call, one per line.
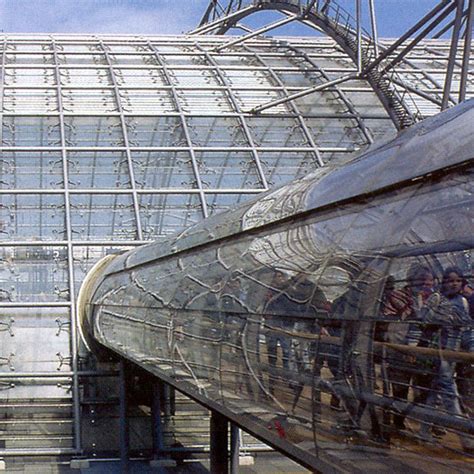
point(166, 16)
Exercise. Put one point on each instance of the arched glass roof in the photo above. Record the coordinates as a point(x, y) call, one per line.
point(108, 142)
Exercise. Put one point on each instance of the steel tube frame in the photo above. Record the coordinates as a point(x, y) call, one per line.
point(219, 428)
point(466, 51)
point(136, 207)
point(308, 91)
point(124, 433)
point(373, 23)
point(351, 113)
point(214, 24)
point(185, 128)
point(452, 53)
point(57, 374)
point(406, 35)
point(234, 448)
point(265, 29)
point(307, 133)
point(73, 314)
point(241, 116)
point(436, 21)
point(156, 421)
point(359, 35)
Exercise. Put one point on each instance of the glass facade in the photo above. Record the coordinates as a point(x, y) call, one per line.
point(108, 142)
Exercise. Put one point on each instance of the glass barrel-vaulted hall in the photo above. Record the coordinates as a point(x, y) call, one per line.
point(108, 142)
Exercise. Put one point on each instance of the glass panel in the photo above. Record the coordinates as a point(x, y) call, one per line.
point(30, 101)
point(155, 131)
point(89, 101)
point(29, 77)
point(229, 169)
point(93, 131)
point(88, 47)
point(35, 274)
point(216, 131)
point(194, 77)
point(299, 78)
point(249, 78)
point(102, 217)
point(89, 59)
point(98, 170)
point(205, 102)
point(139, 77)
point(30, 131)
point(12, 58)
point(30, 170)
point(147, 101)
point(85, 77)
point(184, 60)
point(336, 132)
point(281, 167)
point(127, 48)
point(36, 47)
point(51, 326)
point(165, 214)
point(320, 103)
point(276, 132)
point(133, 59)
point(160, 170)
point(217, 203)
point(248, 99)
point(32, 217)
point(381, 129)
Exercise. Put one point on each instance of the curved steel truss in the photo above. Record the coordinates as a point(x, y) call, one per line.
point(375, 63)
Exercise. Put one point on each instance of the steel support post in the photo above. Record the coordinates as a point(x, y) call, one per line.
point(359, 35)
point(467, 51)
point(124, 426)
point(409, 34)
point(373, 23)
point(157, 427)
point(260, 31)
point(167, 409)
point(234, 448)
point(452, 54)
point(219, 444)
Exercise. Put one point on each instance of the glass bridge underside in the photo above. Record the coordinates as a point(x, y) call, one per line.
point(108, 142)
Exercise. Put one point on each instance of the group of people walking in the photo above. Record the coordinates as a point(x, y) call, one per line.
point(423, 338)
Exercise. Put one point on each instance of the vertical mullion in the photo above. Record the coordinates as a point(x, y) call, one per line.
point(184, 125)
point(2, 85)
point(126, 142)
point(239, 112)
point(72, 295)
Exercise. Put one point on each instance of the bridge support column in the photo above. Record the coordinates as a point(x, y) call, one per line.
point(124, 426)
point(219, 441)
point(157, 426)
point(234, 449)
point(160, 404)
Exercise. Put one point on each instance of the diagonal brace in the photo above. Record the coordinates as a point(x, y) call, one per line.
point(303, 93)
point(264, 29)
